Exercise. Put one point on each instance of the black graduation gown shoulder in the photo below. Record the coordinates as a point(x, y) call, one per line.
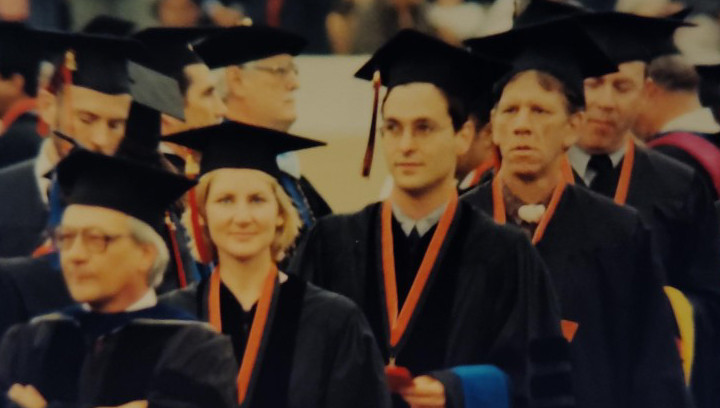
point(489, 300)
point(320, 351)
point(152, 356)
point(608, 281)
point(30, 287)
point(685, 157)
point(319, 206)
point(20, 141)
point(674, 203)
point(23, 214)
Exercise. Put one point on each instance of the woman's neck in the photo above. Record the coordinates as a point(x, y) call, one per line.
point(532, 190)
point(245, 277)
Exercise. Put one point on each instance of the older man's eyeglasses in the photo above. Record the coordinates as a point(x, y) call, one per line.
point(94, 240)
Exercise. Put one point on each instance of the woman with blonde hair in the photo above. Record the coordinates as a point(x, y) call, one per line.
point(296, 345)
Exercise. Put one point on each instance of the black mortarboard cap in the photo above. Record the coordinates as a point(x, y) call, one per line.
point(156, 90)
point(709, 84)
point(560, 48)
point(124, 185)
point(628, 37)
point(241, 44)
point(20, 49)
point(153, 93)
point(238, 145)
point(683, 14)
point(108, 25)
point(98, 62)
point(171, 48)
point(411, 56)
point(623, 37)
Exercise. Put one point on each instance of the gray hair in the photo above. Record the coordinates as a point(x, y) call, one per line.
point(674, 73)
point(142, 233)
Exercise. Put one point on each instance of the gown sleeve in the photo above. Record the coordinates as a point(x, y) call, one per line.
point(197, 370)
point(700, 238)
point(357, 377)
point(657, 371)
point(11, 355)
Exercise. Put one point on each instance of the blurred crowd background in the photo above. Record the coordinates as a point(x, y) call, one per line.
point(332, 26)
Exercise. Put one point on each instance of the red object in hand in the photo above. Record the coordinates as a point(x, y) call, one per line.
point(398, 377)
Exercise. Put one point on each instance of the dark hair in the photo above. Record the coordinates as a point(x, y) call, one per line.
point(674, 73)
point(29, 73)
point(574, 97)
point(457, 108)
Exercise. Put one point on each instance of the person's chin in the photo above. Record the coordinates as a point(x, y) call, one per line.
point(84, 294)
point(525, 170)
point(244, 250)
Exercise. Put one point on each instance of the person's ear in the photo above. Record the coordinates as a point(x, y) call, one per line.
point(235, 81)
point(170, 125)
point(494, 136)
point(148, 253)
point(18, 83)
point(47, 107)
point(464, 137)
point(575, 121)
point(650, 89)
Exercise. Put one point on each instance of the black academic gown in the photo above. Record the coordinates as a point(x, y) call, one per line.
point(609, 282)
point(488, 301)
point(682, 155)
point(674, 203)
point(30, 287)
point(20, 141)
point(23, 213)
point(82, 359)
point(319, 351)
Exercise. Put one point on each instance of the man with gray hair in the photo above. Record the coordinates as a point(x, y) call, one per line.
point(118, 347)
point(674, 121)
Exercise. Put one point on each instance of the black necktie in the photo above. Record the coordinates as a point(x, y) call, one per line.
point(413, 240)
point(604, 180)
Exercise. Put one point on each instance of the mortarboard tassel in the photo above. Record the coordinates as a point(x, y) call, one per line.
point(182, 280)
point(67, 69)
point(370, 149)
point(191, 171)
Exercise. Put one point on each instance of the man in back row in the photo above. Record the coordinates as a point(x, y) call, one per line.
point(670, 197)
point(92, 108)
point(674, 122)
point(260, 78)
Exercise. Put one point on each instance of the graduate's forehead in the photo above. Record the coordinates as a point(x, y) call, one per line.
point(90, 216)
point(532, 86)
point(415, 100)
point(238, 180)
point(83, 98)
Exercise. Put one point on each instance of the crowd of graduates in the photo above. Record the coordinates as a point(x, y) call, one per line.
point(549, 236)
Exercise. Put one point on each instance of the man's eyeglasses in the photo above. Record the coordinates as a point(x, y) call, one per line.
point(280, 72)
point(94, 240)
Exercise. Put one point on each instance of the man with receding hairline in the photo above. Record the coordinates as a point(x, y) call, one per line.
point(674, 121)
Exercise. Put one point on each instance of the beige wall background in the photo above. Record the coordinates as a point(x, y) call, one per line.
point(335, 107)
